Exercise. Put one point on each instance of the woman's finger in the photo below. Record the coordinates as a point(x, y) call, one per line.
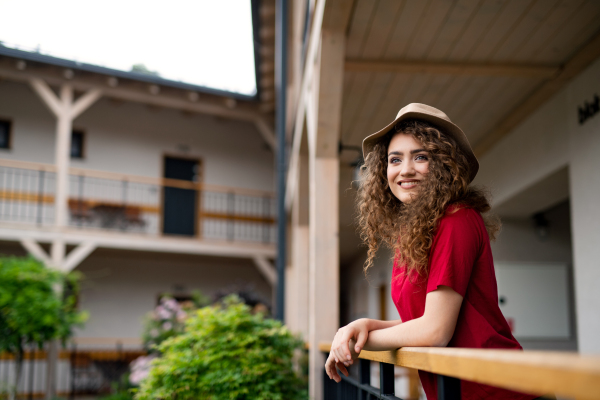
point(342, 368)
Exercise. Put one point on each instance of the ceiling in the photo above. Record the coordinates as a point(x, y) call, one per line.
point(530, 35)
point(480, 61)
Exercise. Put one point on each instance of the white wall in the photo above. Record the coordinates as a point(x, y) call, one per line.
point(550, 139)
point(120, 287)
point(133, 138)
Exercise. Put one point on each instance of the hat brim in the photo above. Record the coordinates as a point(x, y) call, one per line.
point(446, 126)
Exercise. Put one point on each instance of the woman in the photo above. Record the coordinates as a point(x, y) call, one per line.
point(415, 198)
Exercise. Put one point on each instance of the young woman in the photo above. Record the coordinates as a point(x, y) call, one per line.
point(416, 199)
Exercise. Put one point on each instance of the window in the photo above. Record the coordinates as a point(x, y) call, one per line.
point(77, 137)
point(5, 134)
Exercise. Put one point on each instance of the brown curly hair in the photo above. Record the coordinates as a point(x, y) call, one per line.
point(408, 228)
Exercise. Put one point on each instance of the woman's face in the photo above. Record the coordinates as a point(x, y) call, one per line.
point(408, 164)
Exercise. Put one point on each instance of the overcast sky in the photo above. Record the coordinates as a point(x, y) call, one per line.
point(202, 42)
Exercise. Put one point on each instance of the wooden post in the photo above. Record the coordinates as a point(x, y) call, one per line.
point(64, 126)
point(65, 110)
point(324, 171)
point(297, 313)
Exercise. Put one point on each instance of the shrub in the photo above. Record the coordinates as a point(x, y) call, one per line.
point(226, 352)
point(32, 311)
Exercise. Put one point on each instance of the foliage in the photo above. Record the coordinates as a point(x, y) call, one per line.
point(167, 319)
point(142, 69)
point(226, 352)
point(31, 310)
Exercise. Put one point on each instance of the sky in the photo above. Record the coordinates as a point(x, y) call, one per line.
point(201, 42)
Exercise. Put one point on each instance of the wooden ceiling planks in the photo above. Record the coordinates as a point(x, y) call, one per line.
point(546, 32)
point(453, 27)
point(359, 25)
point(402, 33)
point(475, 30)
point(519, 32)
point(376, 38)
point(572, 35)
point(528, 24)
point(429, 30)
point(370, 102)
point(507, 19)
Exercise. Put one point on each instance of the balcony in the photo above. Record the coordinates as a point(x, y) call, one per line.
point(106, 204)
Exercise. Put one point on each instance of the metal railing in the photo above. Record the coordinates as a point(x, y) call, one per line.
point(133, 204)
point(80, 371)
point(537, 372)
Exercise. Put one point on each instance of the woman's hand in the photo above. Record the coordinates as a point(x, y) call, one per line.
point(358, 332)
point(346, 346)
point(331, 364)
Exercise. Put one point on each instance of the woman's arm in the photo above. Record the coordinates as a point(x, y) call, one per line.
point(434, 329)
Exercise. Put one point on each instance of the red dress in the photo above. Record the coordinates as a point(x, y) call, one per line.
point(461, 258)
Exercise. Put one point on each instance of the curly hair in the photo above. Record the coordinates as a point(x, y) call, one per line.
point(408, 228)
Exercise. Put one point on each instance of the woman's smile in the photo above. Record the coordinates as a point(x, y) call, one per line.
point(408, 164)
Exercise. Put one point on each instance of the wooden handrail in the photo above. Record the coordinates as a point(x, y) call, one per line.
point(116, 176)
point(537, 372)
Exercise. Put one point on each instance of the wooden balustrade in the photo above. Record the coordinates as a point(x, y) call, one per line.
point(538, 372)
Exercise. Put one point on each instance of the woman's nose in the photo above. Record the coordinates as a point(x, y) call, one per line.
point(408, 169)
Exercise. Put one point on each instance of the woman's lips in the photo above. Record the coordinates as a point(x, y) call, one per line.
point(408, 185)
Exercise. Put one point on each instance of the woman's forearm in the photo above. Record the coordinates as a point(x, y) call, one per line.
point(415, 332)
point(376, 324)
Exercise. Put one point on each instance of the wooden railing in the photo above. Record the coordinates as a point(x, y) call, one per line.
point(537, 372)
point(132, 203)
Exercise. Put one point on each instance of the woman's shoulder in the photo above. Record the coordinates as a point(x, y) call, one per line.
point(461, 214)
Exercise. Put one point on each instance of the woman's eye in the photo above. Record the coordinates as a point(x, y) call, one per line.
point(394, 160)
point(422, 157)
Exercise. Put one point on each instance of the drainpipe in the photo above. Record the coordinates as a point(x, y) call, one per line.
point(280, 87)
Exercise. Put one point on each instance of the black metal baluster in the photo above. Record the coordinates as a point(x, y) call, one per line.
point(32, 357)
point(73, 361)
point(40, 211)
point(386, 379)
point(448, 388)
point(80, 201)
point(364, 377)
point(266, 214)
point(230, 211)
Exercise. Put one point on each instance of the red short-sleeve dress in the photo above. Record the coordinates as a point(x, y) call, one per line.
point(461, 258)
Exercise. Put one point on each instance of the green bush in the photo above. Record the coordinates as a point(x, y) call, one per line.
point(226, 352)
point(33, 307)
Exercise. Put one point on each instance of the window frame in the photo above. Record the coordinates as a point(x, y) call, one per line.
point(83, 141)
point(9, 122)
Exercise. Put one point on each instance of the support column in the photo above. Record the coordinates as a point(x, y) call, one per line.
point(65, 110)
point(297, 313)
point(324, 201)
point(64, 126)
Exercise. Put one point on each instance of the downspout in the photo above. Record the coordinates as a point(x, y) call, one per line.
point(281, 92)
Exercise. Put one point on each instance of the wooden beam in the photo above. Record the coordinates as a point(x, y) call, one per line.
point(136, 93)
point(538, 372)
point(451, 68)
point(128, 241)
point(85, 101)
point(77, 255)
point(324, 174)
point(266, 268)
point(267, 132)
point(36, 250)
point(588, 54)
point(47, 95)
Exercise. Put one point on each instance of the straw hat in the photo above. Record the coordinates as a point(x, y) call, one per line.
point(435, 117)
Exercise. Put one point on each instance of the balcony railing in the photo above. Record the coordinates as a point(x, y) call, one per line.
point(108, 201)
point(537, 372)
